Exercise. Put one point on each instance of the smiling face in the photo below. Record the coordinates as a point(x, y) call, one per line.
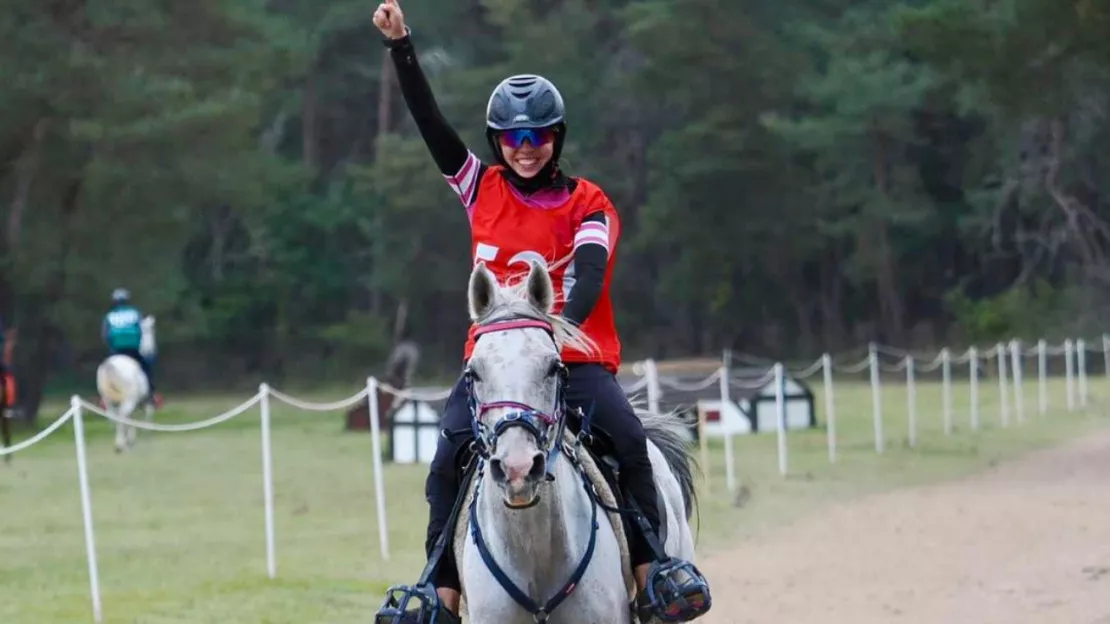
point(527, 150)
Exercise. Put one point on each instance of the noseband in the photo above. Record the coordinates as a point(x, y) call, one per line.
point(536, 422)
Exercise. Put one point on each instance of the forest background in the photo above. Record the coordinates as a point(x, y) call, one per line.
point(793, 176)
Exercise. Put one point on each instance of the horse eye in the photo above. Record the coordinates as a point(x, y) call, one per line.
point(554, 369)
point(474, 376)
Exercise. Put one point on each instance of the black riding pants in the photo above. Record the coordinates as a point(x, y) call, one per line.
point(143, 363)
point(588, 385)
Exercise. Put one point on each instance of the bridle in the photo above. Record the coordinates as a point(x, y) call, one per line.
point(547, 428)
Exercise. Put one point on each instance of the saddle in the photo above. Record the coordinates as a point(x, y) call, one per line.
point(599, 465)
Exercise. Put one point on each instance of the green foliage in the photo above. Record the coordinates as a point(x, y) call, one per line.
point(790, 176)
point(1027, 312)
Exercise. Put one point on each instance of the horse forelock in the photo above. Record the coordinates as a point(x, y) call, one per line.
point(512, 302)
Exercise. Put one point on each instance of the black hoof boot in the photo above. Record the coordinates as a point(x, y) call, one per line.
point(414, 605)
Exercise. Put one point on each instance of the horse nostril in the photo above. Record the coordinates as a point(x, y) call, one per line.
point(496, 470)
point(539, 467)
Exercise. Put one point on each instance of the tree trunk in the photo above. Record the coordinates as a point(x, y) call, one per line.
point(310, 156)
point(43, 332)
point(385, 99)
point(27, 168)
point(832, 302)
point(890, 303)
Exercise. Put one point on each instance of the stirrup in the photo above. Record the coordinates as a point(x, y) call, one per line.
point(414, 605)
point(676, 592)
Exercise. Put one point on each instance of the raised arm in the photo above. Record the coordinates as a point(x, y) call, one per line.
point(459, 165)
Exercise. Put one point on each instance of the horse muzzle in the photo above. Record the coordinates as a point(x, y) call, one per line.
point(519, 475)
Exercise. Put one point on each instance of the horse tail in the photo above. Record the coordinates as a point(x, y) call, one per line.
point(108, 382)
point(668, 433)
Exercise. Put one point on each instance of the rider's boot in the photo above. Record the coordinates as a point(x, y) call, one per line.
point(423, 603)
point(671, 589)
point(675, 591)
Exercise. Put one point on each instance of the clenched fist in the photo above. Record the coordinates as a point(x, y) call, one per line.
point(390, 20)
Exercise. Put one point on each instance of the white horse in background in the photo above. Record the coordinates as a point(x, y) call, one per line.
point(123, 387)
point(538, 530)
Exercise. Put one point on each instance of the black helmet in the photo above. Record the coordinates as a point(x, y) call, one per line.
point(526, 101)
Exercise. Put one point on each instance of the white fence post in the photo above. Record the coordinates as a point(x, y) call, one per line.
point(780, 413)
point(1069, 373)
point(911, 401)
point(946, 388)
point(1106, 355)
point(1081, 362)
point(1016, 362)
point(376, 445)
point(652, 375)
point(876, 398)
point(1042, 374)
point(1003, 386)
point(973, 375)
point(86, 507)
point(267, 479)
point(830, 406)
point(726, 428)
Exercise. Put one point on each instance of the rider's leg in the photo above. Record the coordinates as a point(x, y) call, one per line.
point(148, 370)
point(143, 364)
point(591, 385)
point(442, 488)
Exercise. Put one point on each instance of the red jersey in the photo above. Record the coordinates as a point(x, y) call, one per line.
point(506, 233)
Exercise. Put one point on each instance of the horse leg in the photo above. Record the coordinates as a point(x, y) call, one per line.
point(130, 429)
point(124, 436)
point(121, 440)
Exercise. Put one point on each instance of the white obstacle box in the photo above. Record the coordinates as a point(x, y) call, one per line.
point(758, 406)
point(413, 432)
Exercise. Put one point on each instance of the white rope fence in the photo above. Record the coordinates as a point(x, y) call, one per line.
point(1009, 357)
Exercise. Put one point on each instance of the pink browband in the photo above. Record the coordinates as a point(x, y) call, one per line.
point(517, 324)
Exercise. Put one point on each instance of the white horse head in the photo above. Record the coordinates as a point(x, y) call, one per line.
point(515, 370)
point(148, 346)
point(122, 387)
point(532, 509)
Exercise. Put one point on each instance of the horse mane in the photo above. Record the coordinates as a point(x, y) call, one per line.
point(512, 301)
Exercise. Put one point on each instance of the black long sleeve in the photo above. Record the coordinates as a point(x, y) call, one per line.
point(447, 148)
point(590, 261)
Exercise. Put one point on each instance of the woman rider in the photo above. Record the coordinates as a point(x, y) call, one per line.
point(525, 208)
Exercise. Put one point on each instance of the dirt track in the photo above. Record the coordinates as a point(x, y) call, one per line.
point(1026, 542)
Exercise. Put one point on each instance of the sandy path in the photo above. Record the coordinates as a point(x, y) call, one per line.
point(1028, 541)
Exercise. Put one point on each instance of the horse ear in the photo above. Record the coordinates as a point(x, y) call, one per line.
point(481, 292)
point(541, 292)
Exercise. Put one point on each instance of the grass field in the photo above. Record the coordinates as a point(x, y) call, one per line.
point(179, 520)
